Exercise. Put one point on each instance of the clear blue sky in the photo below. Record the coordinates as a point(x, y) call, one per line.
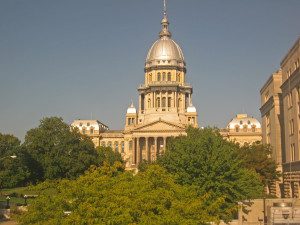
point(71, 58)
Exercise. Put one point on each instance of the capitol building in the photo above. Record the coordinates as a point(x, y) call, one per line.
point(165, 108)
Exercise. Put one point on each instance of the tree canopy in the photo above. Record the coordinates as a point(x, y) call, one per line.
point(204, 159)
point(106, 196)
point(257, 157)
point(13, 171)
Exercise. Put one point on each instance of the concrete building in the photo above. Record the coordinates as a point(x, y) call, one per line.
point(280, 111)
point(291, 114)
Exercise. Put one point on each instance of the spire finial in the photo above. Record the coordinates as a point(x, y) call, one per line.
point(165, 8)
point(165, 23)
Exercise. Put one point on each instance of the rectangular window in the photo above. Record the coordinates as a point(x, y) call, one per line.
point(290, 100)
point(293, 152)
point(291, 127)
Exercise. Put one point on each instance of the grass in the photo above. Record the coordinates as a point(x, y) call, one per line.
point(16, 195)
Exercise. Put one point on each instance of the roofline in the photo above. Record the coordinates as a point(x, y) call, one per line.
point(287, 55)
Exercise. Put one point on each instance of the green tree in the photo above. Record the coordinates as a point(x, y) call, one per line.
point(57, 151)
point(106, 196)
point(257, 157)
point(203, 158)
point(13, 171)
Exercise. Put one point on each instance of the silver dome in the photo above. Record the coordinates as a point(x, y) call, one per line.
point(165, 51)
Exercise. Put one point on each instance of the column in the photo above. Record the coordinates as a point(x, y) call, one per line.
point(147, 148)
point(165, 143)
point(133, 151)
point(155, 147)
point(138, 153)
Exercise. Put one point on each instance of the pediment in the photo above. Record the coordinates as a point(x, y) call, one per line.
point(159, 125)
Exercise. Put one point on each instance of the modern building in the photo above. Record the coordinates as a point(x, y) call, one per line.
point(165, 105)
point(243, 129)
point(280, 111)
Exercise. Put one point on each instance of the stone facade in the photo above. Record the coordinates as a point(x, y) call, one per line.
point(165, 105)
point(280, 111)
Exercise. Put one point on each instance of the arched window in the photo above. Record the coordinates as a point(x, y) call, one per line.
point(163, 102)
point(237, 128)
point(157, 102)
point(253, 128)
point(150, 77)
point(169, 102)
point(116, 146)
point(158, 77)
point(109, 144)
point(245, 128)
point(164, 76)
point(122, 147)
point(169, 76)
point(83, 130)
point(103, 143)
point(92, 130)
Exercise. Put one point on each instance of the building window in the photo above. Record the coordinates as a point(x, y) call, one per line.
point(245, 128)
point(109, 144)
point(164, 76)
point(241, 122)
point(149, 103)
point(91, 130)
point(88, 124)
point(158, 77)
point(290, 100)
point(103, 143)
point(130, 145)
point(253, 128)
point(169, 76)
point(237, 128)
point(169, 102)
point(293, 152)
point(150, 77)
point(157, 102)
point(291, 127)
point(84, 130)
point(80, 124)
point(163, 102)
point(122, 147)
point(116, 146)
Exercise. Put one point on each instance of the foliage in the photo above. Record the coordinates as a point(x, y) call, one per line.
point(13, 171)
point(107, 155)
point(257, 157)
point(203, 158)
point(107, 196)
point(57, 151)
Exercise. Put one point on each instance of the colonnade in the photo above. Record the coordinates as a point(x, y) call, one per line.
point(148, 148)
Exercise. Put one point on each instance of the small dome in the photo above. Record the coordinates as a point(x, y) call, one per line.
point(242, 121)
point(191, 109)
point(131, 109)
